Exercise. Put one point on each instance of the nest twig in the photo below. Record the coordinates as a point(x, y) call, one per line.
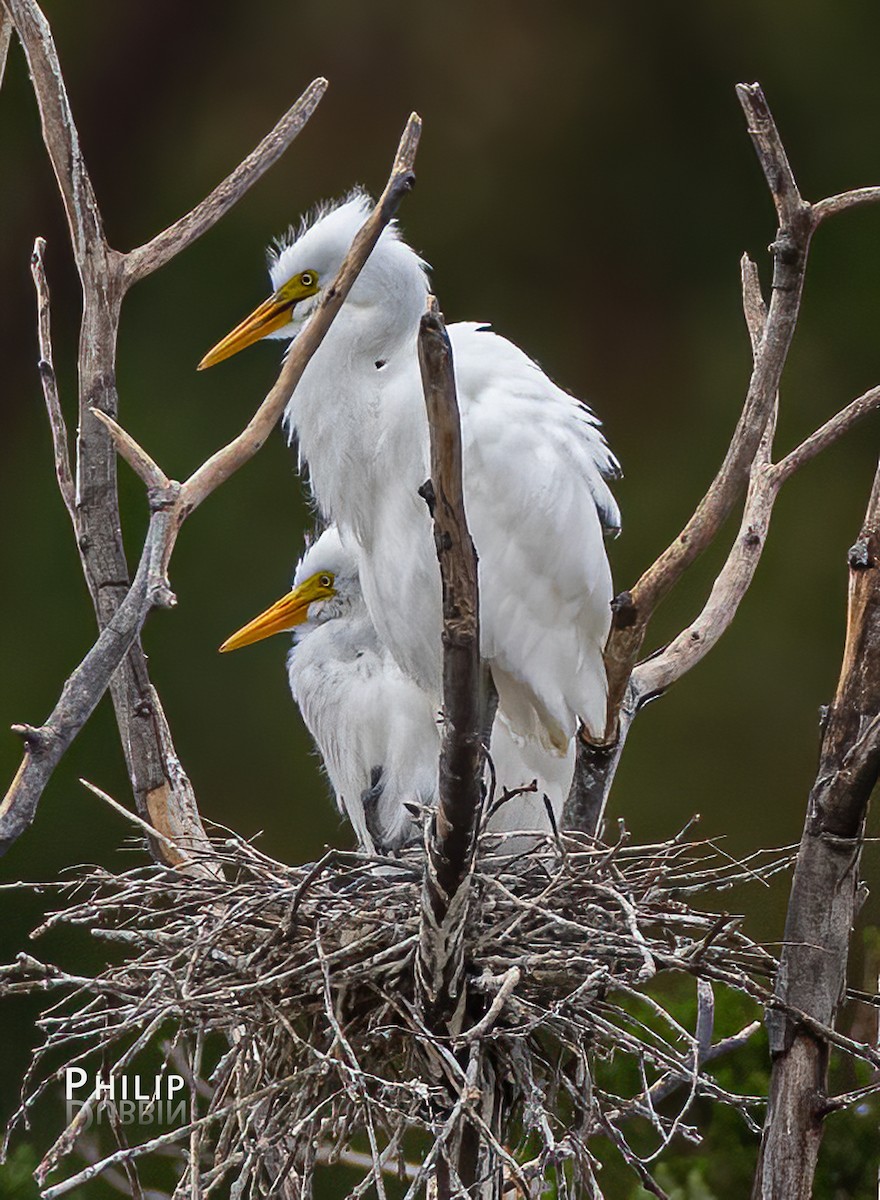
point(289, 993)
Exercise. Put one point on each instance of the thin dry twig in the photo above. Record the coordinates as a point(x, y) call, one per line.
point(60, 442)
point(324, 1033)
point(164, 246)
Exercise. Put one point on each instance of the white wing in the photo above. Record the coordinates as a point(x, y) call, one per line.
point(375, 729)
point(535, 466)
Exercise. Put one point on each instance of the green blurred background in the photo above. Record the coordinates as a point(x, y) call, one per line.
point(585, 182)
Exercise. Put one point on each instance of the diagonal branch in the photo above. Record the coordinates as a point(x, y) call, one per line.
point(857, 198)
point(164, 246)
point(171, 504)
point(59, 130)
point(5, 39)
point(221, 465)
point(46, 745)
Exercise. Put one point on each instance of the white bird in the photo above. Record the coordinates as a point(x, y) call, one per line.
point(376, 729)
point(535, 472)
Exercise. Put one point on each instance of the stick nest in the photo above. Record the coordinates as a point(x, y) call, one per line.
point(285, 996)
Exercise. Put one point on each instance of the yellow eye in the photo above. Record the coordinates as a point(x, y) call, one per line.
point(307, 279)
point(326, 581)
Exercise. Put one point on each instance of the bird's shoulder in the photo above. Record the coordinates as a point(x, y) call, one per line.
point(514, 417)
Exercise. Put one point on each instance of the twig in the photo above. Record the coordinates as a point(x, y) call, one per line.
point(857, 198)
point(45, 746)
point(134, 454)
point(828, 433)
point(166, 245)
point(60, 443)
point(135, 819)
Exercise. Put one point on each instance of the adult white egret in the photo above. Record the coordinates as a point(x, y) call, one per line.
point(535, 471)
point(376, 729)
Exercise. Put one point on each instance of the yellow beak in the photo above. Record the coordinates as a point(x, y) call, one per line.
point(284, 614)
point(273, 314)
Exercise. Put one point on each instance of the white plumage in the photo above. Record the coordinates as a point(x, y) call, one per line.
point(535, 470)
point(376, 729)
point(535, 479)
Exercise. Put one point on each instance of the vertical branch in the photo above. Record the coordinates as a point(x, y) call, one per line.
point(823, 901)
point(451, 843)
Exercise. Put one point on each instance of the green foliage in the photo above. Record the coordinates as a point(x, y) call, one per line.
point(722, 1165)
point(17, 1176)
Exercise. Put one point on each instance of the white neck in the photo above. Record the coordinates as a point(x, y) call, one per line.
point(353, 421)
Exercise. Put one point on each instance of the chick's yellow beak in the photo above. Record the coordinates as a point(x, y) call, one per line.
point(272, 315)
point(290, 611)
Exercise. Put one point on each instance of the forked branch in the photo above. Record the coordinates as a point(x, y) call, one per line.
point(747, 464)
point(162, 793)
point(172, 503)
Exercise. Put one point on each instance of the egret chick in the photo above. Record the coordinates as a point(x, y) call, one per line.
point(376, 729)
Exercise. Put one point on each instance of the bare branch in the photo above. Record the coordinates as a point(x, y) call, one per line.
point(771, 153)
point(225, 462)
point(144, 826)
point(823, 900)
point(5, 39)
point(857, 198)
point(46, 745)
point(137, 458)
point(60, 443)
point(453, 830)
point(164, 246)
point(828, 433)
point(754, 305)
point(59, 129)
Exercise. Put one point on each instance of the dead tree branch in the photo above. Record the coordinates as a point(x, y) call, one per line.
point(60, 441)
point(451, 844)
point(451, 839)
point(823, 902)
point(164, 246)
point(45, 746)
point(5, 39)
point(747, 464)
point(162, 792)
point(172, 503)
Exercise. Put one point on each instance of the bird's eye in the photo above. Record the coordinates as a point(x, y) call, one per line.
point(307, 279)
point(326, 581)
